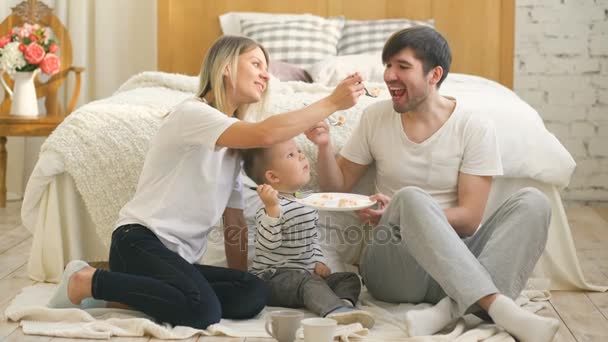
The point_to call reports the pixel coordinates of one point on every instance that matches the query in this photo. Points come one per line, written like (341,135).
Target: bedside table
(17,126)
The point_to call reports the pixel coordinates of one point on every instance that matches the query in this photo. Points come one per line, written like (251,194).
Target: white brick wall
(561,69)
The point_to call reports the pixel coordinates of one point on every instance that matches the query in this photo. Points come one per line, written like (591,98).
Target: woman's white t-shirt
(465,143)
(186,182)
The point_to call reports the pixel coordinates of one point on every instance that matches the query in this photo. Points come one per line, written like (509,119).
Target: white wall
(112,39)
(561,69)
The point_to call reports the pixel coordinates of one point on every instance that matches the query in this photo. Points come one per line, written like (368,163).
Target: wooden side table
(25,127)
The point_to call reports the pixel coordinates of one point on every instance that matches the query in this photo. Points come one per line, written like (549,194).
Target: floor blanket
(106,323)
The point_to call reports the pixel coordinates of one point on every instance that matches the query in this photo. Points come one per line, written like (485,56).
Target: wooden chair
(37,12)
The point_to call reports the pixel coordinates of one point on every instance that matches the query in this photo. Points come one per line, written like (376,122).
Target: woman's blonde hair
(224,53)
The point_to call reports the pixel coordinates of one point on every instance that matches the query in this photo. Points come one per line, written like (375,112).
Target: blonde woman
(190,180)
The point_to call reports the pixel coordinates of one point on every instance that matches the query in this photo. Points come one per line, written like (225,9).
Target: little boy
(288,255)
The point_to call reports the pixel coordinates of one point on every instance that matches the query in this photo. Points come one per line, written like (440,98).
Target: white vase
(23,94)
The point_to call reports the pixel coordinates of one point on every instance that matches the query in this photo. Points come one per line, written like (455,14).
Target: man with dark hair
(436,159)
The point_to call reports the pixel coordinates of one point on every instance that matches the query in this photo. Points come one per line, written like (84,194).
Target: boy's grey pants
(296,289)
(416,256)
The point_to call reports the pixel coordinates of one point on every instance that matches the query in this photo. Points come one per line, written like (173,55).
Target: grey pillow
(289,72)
(302,41)
(369,36)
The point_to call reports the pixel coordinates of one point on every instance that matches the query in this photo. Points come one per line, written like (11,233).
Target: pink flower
(23,32)
(34,53)
(50,64)
(53,48)
(45,36)
(4,40)
(22,47)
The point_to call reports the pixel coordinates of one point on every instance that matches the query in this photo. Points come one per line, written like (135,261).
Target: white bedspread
(102,144)
(36,319)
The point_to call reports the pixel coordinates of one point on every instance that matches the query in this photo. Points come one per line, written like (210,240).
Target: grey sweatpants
(416,256)
(296,289)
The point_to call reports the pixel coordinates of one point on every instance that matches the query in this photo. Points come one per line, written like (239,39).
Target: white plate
(336,201)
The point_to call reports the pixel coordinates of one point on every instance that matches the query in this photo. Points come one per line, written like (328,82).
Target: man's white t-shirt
(186,182)
(465,143)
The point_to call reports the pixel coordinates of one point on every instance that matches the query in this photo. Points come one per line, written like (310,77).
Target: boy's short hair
(255,163)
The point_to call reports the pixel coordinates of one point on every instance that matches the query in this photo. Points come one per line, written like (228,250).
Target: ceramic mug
(283,324)
(319,329)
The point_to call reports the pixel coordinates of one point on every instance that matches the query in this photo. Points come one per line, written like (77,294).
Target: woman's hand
(372,216)
(322,270)
(270,198)
(319,134)
(347,92)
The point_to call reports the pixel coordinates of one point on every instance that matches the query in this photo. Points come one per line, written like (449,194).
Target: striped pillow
(369,36)
(301,41)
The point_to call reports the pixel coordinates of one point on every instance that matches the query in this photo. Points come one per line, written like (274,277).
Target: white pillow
(300,41)
(231,22)
(527,148)
(332,70)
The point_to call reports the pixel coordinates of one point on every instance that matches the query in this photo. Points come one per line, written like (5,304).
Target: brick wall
(561,69)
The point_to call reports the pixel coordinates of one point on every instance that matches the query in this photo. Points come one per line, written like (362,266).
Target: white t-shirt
(186,182)
(465,143)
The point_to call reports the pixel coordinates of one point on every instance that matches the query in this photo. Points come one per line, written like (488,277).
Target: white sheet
(36,319)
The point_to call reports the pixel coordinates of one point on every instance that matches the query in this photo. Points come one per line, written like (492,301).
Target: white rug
(36,319)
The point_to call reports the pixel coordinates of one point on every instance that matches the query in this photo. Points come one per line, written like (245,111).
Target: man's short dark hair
(428,45)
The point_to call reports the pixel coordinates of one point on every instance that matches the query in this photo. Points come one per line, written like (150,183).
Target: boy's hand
(270,198)
(322,270)
(319,134)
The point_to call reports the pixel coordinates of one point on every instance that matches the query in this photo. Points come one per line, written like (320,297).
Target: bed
(89,166)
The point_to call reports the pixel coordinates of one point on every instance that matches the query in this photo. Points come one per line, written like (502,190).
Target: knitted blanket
(103,143)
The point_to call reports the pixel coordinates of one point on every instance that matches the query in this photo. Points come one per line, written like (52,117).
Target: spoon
(367,92)
(290,195)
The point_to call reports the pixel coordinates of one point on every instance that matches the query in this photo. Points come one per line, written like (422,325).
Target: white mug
(319,329)
(283,324)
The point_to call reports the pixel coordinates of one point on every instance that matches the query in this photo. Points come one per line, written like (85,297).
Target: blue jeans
(148,277)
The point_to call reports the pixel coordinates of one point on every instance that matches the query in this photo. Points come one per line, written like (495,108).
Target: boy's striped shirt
(289,241)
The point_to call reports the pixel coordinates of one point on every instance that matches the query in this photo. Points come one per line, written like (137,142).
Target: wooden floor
(584,316)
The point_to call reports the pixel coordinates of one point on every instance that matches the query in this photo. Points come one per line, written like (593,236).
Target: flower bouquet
(28,48)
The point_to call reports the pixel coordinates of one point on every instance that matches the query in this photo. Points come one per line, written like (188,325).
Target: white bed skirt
(55,214)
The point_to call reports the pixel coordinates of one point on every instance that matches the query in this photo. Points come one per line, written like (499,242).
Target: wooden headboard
(480,32)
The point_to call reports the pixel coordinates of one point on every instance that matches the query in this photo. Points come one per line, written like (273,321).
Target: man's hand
(270,198)
(319,134)
(322,270)
(372,216)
